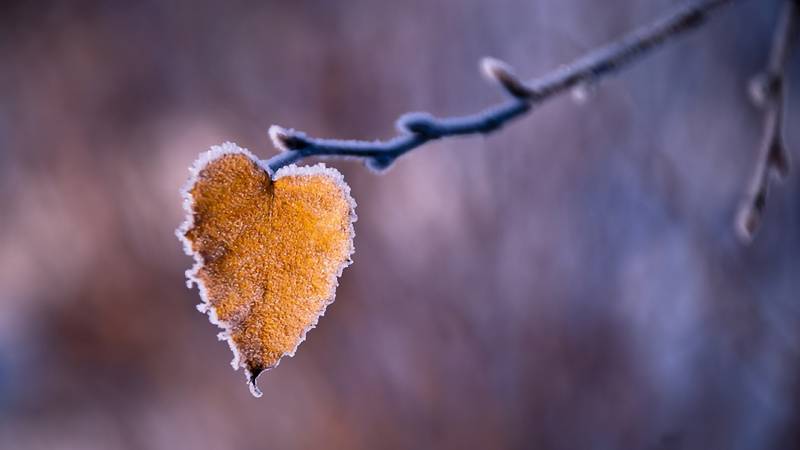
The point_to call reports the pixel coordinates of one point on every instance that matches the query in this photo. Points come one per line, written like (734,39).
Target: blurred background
(570,282)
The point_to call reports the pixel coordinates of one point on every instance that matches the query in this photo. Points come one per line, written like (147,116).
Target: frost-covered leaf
(268,250)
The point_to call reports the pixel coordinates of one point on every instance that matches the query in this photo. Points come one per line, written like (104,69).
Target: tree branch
(418,128)
(768,91)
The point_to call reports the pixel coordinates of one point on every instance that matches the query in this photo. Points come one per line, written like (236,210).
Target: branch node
(379,163)
(418,123)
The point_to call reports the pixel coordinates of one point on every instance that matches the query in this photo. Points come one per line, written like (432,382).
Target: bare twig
(418,128)
(768,92)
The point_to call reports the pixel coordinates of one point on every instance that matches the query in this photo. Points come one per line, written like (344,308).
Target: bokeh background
(570,282)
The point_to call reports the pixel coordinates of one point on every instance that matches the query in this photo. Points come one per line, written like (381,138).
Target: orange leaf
(268,251)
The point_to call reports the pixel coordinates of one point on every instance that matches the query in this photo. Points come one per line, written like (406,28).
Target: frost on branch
(268,250)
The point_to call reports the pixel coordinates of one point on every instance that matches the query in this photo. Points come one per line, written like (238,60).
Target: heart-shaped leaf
(268,250)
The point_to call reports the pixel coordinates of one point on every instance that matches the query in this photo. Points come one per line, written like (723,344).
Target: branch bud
(747,223)
(584,91)
(501,73)
(779,158)
(286,139)
(763,88)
